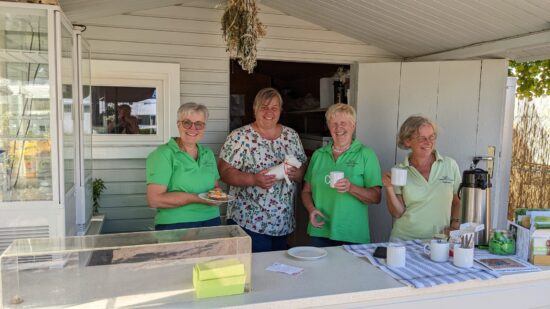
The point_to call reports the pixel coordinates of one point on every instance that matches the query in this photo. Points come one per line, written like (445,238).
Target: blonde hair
(410,127)
(192,107)
(265,95)
(342,109)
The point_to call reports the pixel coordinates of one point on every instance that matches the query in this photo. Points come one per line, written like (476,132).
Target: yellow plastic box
(219,278)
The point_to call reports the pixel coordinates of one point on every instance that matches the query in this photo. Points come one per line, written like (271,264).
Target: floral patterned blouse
(271,211)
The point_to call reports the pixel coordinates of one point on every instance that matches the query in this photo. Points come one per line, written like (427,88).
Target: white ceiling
(413,29)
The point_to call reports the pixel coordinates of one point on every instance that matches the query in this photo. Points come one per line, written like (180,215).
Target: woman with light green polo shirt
(339,214)
(429,199)
(181,169)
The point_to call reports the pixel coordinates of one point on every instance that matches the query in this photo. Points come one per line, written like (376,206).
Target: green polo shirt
(346,217)
(179,172)
(427,202)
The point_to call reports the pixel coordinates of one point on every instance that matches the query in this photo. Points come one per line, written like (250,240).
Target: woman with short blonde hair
(178,171)
(265,96)
(263,205)
(338,211)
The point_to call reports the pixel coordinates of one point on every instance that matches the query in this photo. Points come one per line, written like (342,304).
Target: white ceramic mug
(398,176)
(438,250)
(333,177)
(463,257)
(396,255)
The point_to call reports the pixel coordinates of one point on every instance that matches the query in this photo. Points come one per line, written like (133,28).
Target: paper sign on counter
(286,269)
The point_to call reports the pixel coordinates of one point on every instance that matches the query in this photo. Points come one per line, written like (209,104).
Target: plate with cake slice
(217,196)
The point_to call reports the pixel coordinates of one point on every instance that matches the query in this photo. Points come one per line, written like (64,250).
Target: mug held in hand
(398,176)
(280,170)
(333,177)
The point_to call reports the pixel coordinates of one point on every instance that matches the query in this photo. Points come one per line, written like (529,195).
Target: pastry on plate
(217,194)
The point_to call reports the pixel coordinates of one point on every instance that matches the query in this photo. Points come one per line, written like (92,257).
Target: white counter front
(344,281)
(338,280)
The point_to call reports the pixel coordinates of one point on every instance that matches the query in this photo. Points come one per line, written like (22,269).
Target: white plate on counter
(307,253)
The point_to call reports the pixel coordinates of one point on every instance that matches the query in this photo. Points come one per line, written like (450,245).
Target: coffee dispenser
(475,199)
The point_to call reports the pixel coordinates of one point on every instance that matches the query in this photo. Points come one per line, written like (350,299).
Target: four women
(263,206)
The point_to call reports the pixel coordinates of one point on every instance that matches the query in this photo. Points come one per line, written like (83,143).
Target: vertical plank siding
(191,36)
(465,98)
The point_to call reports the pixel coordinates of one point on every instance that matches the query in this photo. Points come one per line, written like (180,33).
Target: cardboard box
(219,278)
(540,260)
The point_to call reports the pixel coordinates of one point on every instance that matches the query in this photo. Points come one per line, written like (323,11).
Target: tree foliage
(533,78)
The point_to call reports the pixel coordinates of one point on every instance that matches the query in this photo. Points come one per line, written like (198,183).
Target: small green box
(219,278)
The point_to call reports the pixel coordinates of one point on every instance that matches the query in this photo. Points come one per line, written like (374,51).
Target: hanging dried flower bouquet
(241,31)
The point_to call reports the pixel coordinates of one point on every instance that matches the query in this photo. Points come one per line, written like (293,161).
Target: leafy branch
(533,78)
(98,186)
(241,31)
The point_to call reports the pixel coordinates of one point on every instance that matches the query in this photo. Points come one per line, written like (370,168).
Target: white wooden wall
(465,98)
(191,36)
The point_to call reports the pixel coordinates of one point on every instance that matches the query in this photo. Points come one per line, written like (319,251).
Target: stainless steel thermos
(475,196)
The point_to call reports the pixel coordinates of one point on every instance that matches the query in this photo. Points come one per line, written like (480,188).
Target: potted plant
(98,186)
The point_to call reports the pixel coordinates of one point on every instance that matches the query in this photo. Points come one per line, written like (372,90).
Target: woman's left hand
(343,185)
(293,173)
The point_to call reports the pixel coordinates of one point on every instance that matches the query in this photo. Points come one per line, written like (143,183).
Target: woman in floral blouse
(264,206)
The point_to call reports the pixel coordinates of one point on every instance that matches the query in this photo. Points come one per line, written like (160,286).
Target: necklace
(340,150)
(190,151)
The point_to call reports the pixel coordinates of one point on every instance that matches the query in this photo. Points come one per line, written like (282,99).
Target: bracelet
(453,220)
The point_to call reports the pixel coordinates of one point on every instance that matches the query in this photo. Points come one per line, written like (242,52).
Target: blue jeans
(186,225)
(327,242)
(262,242)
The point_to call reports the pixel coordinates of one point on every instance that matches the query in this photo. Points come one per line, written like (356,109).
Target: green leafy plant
(533,78)
(98,186)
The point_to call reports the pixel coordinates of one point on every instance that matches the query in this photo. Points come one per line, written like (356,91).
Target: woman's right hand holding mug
(264,181)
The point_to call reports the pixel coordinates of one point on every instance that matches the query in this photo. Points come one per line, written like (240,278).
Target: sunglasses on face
(187,124)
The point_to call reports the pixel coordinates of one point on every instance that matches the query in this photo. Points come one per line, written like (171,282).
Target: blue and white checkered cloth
(420,271)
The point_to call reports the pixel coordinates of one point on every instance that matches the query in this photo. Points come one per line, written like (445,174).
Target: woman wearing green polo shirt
(339,215)
(429,199)
(179,170)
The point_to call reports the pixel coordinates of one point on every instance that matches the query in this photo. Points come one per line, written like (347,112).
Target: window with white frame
(130,101)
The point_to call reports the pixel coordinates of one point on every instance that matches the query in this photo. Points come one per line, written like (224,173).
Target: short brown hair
(410,127)
(265,95)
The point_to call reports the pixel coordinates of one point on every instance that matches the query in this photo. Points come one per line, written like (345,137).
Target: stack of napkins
(219,278)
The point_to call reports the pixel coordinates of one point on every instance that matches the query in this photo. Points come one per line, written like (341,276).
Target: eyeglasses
(187,124)
(424,139)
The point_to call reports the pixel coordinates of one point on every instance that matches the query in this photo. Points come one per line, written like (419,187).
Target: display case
(117,270)
(39,128)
